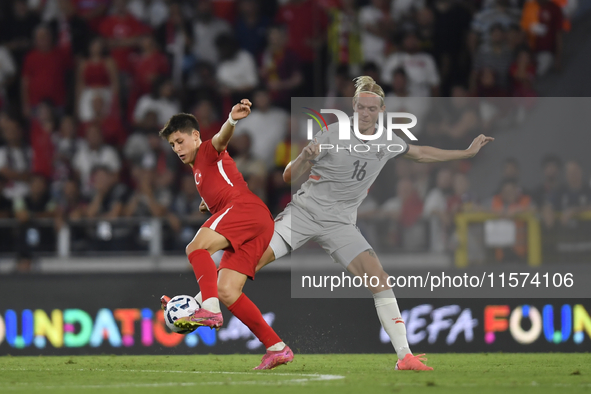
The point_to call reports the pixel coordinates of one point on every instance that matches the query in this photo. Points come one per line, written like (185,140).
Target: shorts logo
(198,177)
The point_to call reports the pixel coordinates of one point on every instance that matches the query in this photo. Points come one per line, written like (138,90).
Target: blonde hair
(366,84)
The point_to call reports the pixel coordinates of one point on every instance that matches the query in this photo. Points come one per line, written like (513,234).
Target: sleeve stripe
(221,169)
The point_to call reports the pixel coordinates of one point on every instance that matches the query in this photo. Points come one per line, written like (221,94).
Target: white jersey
(341,176)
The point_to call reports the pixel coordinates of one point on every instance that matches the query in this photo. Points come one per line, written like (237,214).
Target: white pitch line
(315,376)
(299,378)
(147,385)
(310,375)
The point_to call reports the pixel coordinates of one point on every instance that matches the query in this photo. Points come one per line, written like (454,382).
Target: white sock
(277,347)
(391,319)
(212,304)
(199,299)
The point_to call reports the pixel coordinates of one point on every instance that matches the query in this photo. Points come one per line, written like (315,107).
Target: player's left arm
(222,138)
(428,154)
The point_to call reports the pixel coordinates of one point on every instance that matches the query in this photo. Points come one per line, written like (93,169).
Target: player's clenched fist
(311,151)
(203,207)
(241,110)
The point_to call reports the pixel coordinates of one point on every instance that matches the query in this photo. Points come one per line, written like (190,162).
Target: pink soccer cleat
(201,317)
(273,359)
(412,363)
(164,300)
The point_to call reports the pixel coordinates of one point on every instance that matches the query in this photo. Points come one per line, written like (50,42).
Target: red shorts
(249,229)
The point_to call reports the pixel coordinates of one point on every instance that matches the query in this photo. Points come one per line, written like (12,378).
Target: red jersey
(96,75)
(42,145)
(550,16)
(218,181)
(146,68)
(122,27)
(305,21)
(45,71)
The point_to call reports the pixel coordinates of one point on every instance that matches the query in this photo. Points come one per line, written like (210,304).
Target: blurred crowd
(86,84)
(420,215)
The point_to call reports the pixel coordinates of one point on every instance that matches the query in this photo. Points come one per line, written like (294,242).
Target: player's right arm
(222,138)
(302,164)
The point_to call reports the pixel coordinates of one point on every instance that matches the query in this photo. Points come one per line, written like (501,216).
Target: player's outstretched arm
(428,154)
(302,163)
(222,138)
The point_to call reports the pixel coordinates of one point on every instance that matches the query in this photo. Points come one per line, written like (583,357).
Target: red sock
(205,273)
(248,313)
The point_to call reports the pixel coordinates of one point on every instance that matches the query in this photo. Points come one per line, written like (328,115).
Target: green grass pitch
(342,373)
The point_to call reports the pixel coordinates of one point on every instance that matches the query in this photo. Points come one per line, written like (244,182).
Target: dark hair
(39,175)
(369,67)
(74,180)
(342,70)
(104,50)
(400,36)
(511,182)
(185,123)
(101,167)
(227,46)
(157,84)
(399,71)
(511,160)
(514,26)
(551,159)
(278,26)
(497,26)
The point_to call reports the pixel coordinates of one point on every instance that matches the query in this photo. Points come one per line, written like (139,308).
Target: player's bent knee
(267,258)
(190,249)
(208,240)
(227,293)
(196,245)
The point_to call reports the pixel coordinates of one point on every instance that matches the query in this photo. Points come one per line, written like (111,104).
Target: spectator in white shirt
(7,70)
(206,29)
(376,25)
(161,101)
(153,12)
(15,159)
(237,70)
(266,125)
(94,153)
(420,68)
(405,9)
(398,100)
(435,210)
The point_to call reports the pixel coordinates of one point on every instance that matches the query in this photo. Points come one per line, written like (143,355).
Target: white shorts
(294,227)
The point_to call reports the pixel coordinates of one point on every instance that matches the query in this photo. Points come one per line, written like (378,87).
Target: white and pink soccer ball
(179,306)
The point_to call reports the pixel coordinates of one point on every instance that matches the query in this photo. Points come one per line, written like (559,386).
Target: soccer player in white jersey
(325,207)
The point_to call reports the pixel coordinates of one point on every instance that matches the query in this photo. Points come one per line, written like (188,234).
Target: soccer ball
(179,306)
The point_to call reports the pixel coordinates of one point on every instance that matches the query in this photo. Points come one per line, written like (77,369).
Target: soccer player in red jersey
(241,225)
